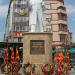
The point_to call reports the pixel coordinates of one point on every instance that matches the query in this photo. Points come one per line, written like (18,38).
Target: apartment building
(56,22)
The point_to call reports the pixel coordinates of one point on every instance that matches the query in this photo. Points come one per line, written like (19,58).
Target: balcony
(62,18)
(63,32)
(61,9)
(21,19)
(62,22)
(63,28)
(63,39)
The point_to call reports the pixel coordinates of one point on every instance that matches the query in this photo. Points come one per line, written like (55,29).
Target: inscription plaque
(37,47)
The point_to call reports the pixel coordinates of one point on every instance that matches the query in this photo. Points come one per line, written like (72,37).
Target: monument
(37,43)
(35,15)
(37,52)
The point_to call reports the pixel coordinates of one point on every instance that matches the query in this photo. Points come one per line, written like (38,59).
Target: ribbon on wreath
(44,69)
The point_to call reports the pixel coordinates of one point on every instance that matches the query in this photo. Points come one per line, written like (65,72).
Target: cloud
(3,10)
(70,9)
(71,13)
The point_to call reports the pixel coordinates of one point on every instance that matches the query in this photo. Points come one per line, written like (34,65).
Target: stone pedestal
(36,48)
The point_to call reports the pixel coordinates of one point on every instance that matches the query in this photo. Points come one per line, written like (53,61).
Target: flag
(12,56)
(6,58)
(57,57)
(17,58)
(67,56)
(61,57)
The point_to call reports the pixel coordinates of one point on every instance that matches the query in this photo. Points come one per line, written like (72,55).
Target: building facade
(17,20)
(52,18)
(56,22)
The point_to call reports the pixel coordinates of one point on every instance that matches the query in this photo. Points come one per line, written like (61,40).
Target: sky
(70,4)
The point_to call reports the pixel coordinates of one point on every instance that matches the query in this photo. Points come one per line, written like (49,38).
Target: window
(21,19)
(19,1)
(21,27)
(48,30)
(15,39)
(62,37)
(62,16)
(61,7)
(48,19)
(19,39)
(17,28)
(48,7)
(62,27)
